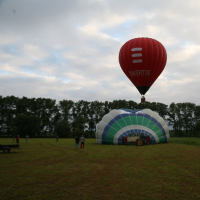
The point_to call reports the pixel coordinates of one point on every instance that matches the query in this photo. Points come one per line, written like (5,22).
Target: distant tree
(144,105)
(78,126)
(196,114)
(196,129)
(96,113)
(132,105)
(162,110)
(85,115)
(65,108)
(172,117)
(39,115)
(46,110)
(7,113)
(27,124)
(80,115)
(63,129)
(107,107)
(187,115)
(116,104)
(56,117)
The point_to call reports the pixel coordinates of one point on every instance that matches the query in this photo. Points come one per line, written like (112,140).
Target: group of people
(82,140)
(17,138)
(77,140)
(124,140)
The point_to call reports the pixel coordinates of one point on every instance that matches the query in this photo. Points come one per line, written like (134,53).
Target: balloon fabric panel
(127,124)
(142,60)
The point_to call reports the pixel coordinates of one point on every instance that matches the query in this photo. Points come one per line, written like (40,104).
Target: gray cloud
(69,49)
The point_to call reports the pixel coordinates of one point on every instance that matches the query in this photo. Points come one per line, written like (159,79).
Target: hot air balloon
(132,124)
(142,60)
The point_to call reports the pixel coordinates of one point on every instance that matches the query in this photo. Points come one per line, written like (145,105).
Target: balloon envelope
(142,60)
(127,122)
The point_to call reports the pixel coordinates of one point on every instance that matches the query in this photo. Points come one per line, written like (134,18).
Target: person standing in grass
(82,139)
(27,136)
(76,142)
(56,138)
(123,140)
(126,140)
(148,140)
(17,139)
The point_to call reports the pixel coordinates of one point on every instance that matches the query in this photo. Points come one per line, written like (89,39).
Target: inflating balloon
(142,60)
(131,123)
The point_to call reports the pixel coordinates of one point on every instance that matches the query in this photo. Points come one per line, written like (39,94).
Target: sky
(69,50)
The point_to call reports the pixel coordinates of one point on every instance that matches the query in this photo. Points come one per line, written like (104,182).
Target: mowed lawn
(46,169)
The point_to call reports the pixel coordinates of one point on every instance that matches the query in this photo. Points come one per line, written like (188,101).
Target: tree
(162,110)
(187,114)
(80,114)
(63,129)
(7,113)
(196,114)
(144,105)
(107,107)
(172,117)
(46,110)
(23,106)
(196,129)
(116,104)
(132,105)
(27,124)
(83,116)
(65,108)
(96,113)
(78,126)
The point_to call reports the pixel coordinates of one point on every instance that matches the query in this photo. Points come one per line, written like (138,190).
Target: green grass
(186,140)
(46,169)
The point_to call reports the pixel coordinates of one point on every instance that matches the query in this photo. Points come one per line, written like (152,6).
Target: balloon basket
(142,99)
(139,142)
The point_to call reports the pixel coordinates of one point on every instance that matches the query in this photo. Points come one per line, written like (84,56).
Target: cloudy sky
(68,49)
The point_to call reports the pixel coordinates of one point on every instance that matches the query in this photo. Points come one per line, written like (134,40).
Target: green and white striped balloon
(126,122)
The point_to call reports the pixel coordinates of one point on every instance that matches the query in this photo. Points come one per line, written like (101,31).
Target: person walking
(27,136)
(123,140)
(148,140)
(82,139)
(126,142)
(76,142)
(17,139)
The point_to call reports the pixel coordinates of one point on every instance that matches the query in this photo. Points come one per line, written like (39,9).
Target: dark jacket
(77,140)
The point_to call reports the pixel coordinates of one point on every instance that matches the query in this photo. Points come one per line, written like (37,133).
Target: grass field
(46,169)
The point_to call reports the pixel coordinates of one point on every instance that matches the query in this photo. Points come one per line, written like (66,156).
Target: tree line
(43,117)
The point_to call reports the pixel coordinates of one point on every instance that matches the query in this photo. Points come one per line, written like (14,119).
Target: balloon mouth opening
(143,89)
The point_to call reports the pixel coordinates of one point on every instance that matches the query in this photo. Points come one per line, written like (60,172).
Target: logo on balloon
(140,73)
(135,55)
